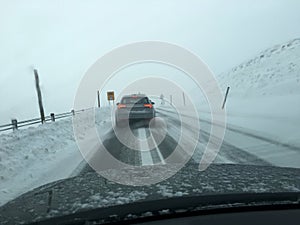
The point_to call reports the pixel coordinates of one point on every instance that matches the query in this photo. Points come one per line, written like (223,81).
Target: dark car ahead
(134,107)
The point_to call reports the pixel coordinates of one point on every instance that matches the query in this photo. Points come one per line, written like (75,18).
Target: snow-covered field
(263,101)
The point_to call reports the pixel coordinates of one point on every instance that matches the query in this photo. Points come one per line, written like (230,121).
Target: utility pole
(39,94)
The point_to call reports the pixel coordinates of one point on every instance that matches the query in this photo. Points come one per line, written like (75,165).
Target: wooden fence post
(98,94)
(39,94)
(52,115)
(225,98)
(14,124)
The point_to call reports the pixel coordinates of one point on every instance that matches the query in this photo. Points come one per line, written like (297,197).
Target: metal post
(39,94)
(171,100)
(14,124)
(52,117)
(183,98)
(225,98)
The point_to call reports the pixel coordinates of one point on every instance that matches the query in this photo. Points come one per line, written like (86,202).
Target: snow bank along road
(240,146)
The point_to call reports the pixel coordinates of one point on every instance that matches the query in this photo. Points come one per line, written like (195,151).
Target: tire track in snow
(239,131)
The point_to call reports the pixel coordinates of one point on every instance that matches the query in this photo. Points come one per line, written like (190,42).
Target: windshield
(217,85)
(134,100)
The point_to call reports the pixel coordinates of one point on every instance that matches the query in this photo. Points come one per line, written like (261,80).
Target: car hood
(91,191)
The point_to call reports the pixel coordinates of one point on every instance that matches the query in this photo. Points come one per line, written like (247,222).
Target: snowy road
(239,146)
(140,157)
(31,160)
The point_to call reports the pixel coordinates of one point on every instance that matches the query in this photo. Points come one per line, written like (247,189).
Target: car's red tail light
(148,105)
(120,106)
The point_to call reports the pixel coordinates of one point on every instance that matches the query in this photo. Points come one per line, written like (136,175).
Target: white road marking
(145,155)
(161,158)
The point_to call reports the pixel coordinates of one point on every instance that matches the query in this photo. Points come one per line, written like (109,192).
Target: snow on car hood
(90,190)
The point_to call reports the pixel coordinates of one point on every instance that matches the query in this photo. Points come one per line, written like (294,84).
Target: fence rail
(14,125)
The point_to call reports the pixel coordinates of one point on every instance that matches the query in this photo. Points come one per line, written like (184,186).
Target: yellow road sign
(110,96)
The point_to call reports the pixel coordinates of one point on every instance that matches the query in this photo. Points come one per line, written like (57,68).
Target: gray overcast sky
(62,38)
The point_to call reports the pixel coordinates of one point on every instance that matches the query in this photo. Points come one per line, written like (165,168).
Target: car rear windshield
(135,100)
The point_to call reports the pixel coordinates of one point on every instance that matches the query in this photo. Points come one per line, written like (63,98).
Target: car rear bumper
(135,115)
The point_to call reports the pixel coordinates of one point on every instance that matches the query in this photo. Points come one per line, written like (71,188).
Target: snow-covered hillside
(275,71)
(265,91)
